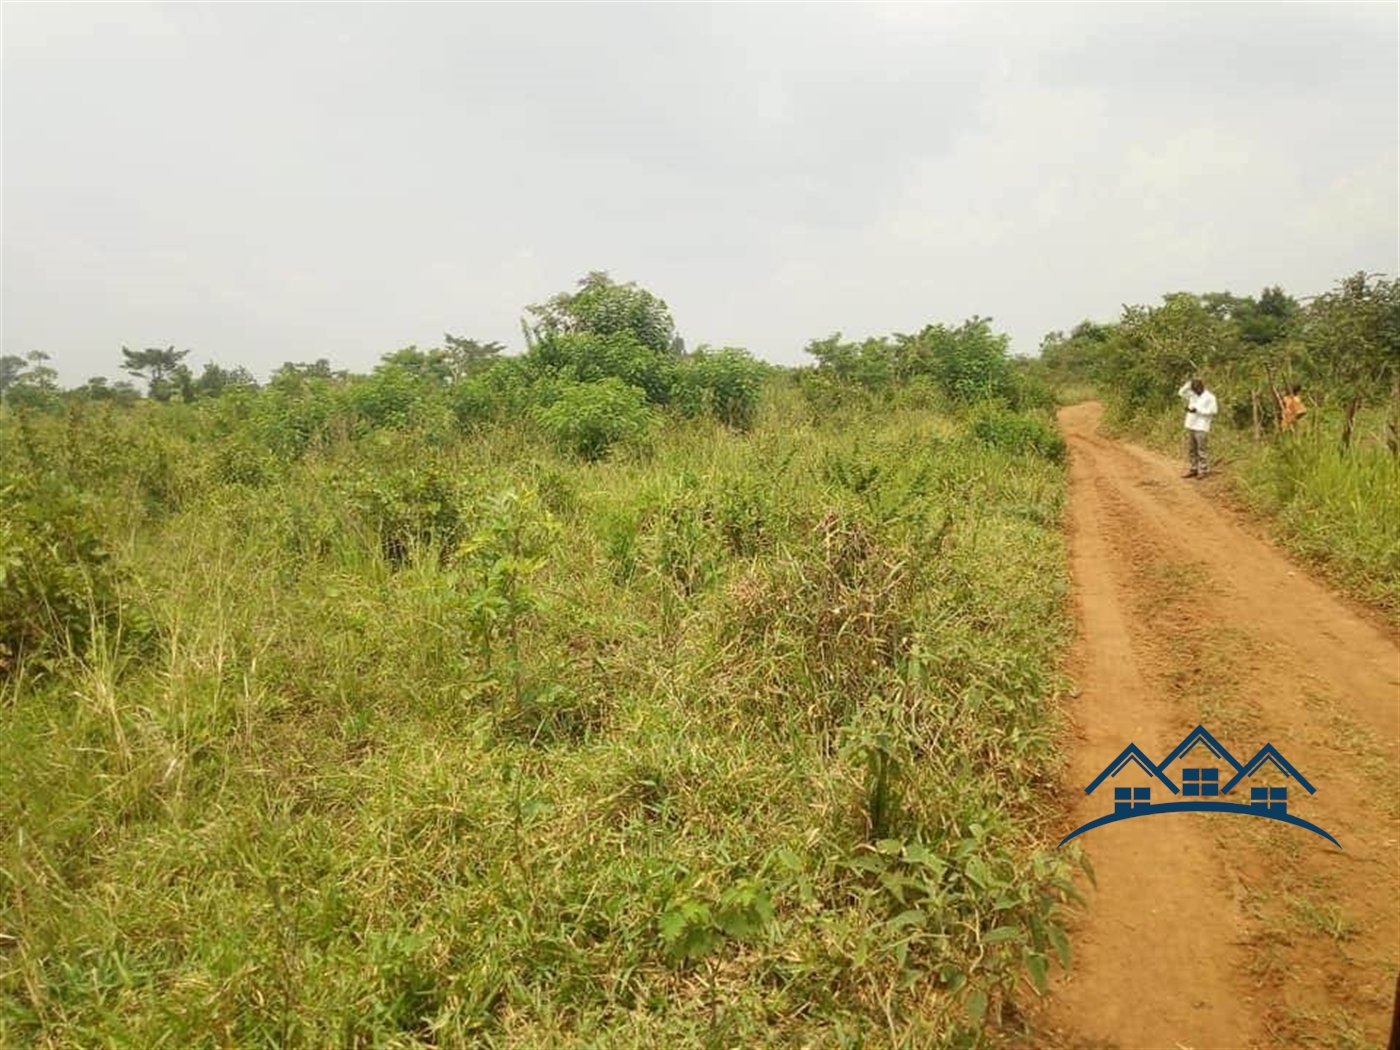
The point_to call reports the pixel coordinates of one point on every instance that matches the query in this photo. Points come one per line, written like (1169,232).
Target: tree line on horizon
(1343,346)
(601,361)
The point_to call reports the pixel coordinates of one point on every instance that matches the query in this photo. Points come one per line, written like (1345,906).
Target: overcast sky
(272,182)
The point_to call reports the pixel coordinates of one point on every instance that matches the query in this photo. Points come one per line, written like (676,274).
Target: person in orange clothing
(1292,406)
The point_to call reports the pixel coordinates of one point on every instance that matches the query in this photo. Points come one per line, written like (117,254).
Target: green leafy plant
(57,577)
(1011,916)
(496,567)
(602,307)
(723,383)
(589,419)
(1018,434)
(588,357)
(695,929)
(408,508)
(885,757)
(390,396)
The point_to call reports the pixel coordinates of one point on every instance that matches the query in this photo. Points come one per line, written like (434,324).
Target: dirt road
(1218,930)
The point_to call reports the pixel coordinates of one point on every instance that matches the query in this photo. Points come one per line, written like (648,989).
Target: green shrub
(588,419)
(969,362)
(241,461)
(503,390)
(602,307)
(294,412)
(919,392)
(585,357)
(408,508)
(830,397)
(57,579)
(1019,434)
(1033,389)
(496,566)
(387,398)
(723,383)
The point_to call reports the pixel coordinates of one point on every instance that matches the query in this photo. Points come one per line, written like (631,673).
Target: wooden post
(1278,397)
(1254,398)
(1393,438)
(1349,419)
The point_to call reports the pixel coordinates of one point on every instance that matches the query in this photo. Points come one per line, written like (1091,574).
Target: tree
(291,371)
(213,381)
(1076,358)
(11,368)
(1258,322)
(603,307)
(1274,311)
(969,362)
(155,365)
(587,357)
(467,357)
(724,383)
(182,379)
(868,363)
(99,388)
(28,381)
(1353,338)
(1154,349)
(432,366)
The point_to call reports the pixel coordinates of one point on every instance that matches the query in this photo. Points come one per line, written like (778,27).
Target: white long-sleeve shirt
(1200,408)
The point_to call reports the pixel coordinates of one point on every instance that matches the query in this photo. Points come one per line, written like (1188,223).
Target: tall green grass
(448,739)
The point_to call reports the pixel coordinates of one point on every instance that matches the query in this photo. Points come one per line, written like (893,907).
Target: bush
(241,461)
(387,398)
(723,383)
(503,390)
(588,419)
(1033,389)
(1020,434)
(294,412)
(602,307)
(586,357)
(969,362)
(408,508)
(56,577)
(828,395)
(1326,499)
(918,393)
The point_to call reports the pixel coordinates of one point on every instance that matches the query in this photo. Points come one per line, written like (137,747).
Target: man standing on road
(1200,410)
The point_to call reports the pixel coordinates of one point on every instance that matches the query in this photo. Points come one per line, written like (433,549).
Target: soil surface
(1222,930)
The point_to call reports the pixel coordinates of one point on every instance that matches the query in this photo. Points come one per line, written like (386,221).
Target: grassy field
(432,737)
(1335,508)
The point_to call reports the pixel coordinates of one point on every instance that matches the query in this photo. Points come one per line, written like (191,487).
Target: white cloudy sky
(271,182)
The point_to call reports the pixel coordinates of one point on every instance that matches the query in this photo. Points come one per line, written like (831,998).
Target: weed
(450,736)
(1327,919)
